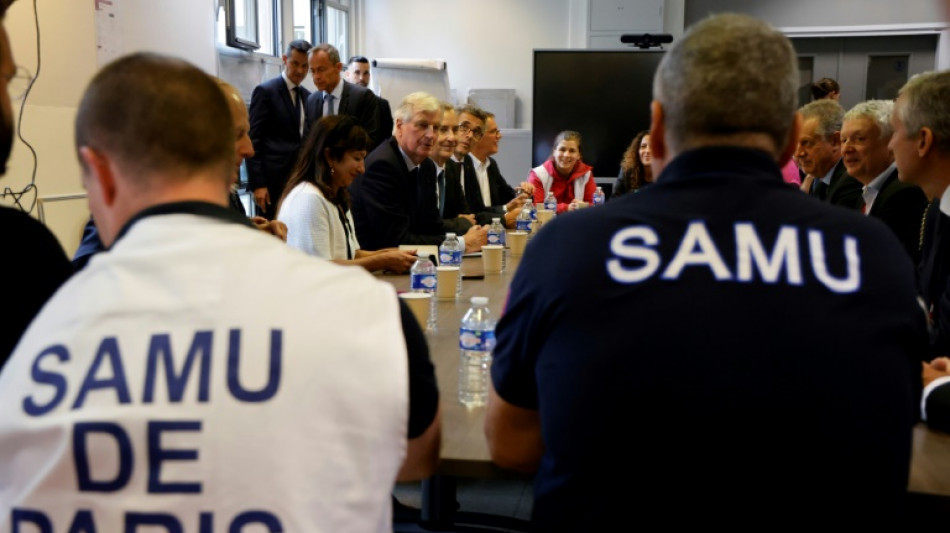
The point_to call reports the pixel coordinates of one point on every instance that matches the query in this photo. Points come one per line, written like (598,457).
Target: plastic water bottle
(496,232)
(550,202)
(476,341)
(496,235)
(598,198)
(529,207)
(422,278)
(523,222)
(450,254)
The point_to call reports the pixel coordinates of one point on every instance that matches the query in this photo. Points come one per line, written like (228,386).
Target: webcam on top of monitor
(646,40)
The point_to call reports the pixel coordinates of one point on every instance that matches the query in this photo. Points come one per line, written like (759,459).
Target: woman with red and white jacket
(570,179)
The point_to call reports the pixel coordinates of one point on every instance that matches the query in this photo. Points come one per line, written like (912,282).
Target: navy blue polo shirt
(719,342)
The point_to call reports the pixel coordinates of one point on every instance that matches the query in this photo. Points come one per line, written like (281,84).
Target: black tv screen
(603,94)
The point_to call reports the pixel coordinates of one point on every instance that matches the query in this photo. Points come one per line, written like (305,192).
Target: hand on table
(475,238)
(511,216)
(515,203)
(274,227)
(397,261)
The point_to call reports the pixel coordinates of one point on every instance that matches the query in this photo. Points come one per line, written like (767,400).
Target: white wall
(487,44)
(69,60)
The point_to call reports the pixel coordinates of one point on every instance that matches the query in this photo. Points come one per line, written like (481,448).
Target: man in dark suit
(865,132)
(336,96)
(277,125)
(394,202)
(819,156)
(357,72)
(486,191)
(921,148)
(456,216)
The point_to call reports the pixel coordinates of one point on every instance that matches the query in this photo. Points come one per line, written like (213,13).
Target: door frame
(941,29)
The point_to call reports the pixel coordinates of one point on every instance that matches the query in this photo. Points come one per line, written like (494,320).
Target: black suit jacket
(501,192)
(843,190)
(933,273)
(455,203)
(392,207)
(384,121)
(901,207)
(275,132)
(356,101)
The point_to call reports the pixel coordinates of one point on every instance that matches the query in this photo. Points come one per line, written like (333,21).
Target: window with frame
(249,25)
(261,26)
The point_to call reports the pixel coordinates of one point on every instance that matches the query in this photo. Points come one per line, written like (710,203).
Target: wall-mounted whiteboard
(396,78)
(65,215)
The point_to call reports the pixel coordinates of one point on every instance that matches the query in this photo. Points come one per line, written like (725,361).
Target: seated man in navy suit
(486,190)
(394,202)
(456,216)
(819,155)
(357,72)
(336,96)
(277,126)
(865,132)
(921,148)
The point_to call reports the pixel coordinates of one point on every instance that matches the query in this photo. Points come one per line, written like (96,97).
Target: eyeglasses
(19,83)
(445,129)
(465,128)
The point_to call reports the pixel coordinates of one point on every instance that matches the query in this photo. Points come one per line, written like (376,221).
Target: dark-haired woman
(315,204)
(635,169)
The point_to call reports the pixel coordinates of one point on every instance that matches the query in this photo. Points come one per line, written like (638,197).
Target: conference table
(465,451)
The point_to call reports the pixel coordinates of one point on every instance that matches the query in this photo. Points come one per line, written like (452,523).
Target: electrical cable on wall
(31,187)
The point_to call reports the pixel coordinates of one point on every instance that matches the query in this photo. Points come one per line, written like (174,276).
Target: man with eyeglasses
(456,216)
(472,125)
(487,192)
(394,201)
(37,265)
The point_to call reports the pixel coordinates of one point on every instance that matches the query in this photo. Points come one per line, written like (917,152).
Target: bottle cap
(496,219)
(479,301)
(449,235)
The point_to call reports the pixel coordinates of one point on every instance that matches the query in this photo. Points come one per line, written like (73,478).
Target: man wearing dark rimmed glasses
(38,265)
(478,178)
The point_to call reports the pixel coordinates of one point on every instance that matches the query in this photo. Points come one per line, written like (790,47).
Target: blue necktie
(441,192)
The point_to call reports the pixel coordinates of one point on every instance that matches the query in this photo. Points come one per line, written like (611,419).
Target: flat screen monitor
(603,94)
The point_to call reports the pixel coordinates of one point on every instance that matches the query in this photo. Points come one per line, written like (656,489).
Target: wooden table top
(464,449)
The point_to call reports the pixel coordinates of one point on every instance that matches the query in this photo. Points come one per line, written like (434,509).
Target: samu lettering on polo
(197,366)
(106,375)
(636,258)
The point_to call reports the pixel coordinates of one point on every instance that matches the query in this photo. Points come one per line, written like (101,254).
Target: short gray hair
(829,113)
(414,103)
(878,111)
(473,110)
(729,74)
(924,101)
(332,53)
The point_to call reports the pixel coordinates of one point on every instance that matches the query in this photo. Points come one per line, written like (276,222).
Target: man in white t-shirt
(161,386)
